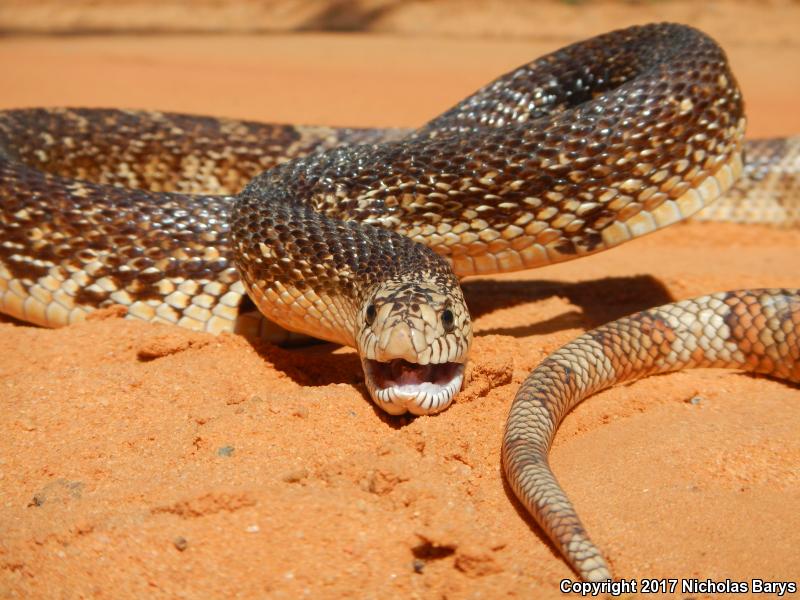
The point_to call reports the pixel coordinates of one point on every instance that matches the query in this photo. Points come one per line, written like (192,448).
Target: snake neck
(396,301)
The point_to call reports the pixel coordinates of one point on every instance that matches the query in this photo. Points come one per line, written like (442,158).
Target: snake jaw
(399,386)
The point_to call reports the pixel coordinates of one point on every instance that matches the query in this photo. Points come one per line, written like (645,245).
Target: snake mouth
(399,386)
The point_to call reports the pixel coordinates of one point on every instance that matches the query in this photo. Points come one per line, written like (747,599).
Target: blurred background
(762,21)
(351,62)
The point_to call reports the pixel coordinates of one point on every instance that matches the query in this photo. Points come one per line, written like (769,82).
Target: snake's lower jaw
(399,386)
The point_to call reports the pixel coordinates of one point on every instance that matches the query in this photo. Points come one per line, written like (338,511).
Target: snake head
(414,341)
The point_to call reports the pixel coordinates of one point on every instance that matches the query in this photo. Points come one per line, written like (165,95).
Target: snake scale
(359,236)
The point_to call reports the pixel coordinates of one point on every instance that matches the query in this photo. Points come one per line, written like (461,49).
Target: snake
(360,236)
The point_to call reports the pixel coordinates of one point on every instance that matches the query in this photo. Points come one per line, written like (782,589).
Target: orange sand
(145,461)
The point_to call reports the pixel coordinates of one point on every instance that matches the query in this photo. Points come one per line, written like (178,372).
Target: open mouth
(399,386)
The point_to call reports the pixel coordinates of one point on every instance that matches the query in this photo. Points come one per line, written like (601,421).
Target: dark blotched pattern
(577,151)
(109,206)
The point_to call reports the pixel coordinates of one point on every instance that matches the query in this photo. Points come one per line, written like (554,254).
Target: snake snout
(401,341)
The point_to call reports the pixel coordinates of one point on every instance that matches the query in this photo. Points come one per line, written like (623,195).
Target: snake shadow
(529,520)
(319,364)
(599,301)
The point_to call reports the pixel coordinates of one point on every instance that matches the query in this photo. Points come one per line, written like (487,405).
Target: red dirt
(145,461)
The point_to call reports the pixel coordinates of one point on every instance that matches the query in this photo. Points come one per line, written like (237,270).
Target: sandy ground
(145,461)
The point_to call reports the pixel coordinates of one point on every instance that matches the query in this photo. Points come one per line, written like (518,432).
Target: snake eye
(372,312)
(448,320)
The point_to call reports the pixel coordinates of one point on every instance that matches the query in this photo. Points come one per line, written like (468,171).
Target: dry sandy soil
(227,469)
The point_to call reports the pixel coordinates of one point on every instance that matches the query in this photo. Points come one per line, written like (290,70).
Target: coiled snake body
(359,236)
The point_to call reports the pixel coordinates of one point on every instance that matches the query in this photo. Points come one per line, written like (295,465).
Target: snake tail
(754,330)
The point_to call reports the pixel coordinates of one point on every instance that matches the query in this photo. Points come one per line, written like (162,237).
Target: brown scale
(554,131)
(159,151)
(569,142)
(72,194)
(116,226)
(583,142)
(769,189)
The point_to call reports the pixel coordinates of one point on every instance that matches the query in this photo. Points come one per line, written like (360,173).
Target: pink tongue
(404,373)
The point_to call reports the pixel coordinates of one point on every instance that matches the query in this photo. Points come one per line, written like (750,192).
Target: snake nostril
(372,312)
(448,320)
